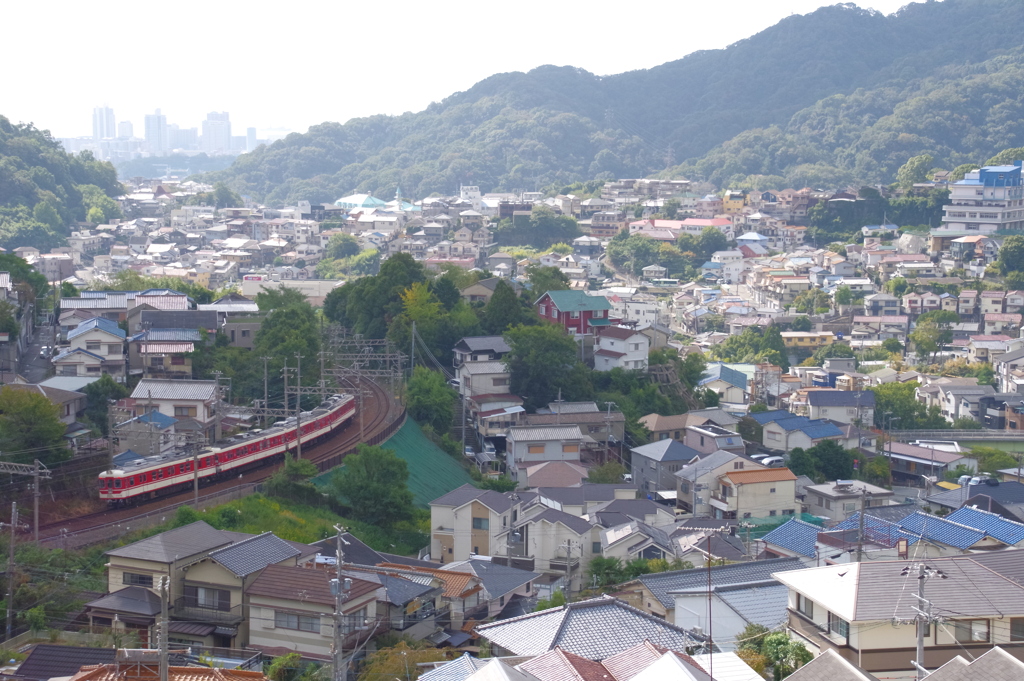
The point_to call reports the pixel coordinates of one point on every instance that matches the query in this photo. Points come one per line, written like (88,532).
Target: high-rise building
(986,201)
(103,123)
(217,133)
(250,139)
(156,132)
(125,130)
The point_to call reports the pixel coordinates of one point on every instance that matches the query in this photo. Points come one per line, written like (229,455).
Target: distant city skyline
(425,58)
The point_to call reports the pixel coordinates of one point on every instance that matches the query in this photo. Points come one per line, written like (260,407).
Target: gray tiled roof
(574,523)
(498,579)
(478,343)
(254,554)
(764,605)
(459,669)
(594,629)
(666,450)
(177,544)
(830,666)
(662,583)
(393,589)
(708,462)
(577,496)
(47,661)
(496,501)
(994,665)
(162,389)
(134,600)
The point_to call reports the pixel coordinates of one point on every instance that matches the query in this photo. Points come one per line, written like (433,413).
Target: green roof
(578,301)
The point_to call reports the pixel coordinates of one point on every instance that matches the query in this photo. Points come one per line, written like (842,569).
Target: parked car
(773,461)
(454,383)
(44,352)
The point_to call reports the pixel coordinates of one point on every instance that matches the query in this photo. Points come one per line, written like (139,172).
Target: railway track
(380,414)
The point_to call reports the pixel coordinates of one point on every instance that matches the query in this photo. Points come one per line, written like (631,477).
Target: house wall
(760,501)
(263,630)
(691,611)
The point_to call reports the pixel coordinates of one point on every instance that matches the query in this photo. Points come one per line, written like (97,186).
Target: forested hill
(813,83)
(43,189)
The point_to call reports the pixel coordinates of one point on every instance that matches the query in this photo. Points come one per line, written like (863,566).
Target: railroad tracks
(381,415)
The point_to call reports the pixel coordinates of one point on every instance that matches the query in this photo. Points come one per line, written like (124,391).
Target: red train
(149,477)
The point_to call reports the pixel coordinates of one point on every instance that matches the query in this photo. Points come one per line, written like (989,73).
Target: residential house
(837,500)
(655,465)
(195,401)
(291,609)
(1009,370)
(787,433)
(100,337)
(844,406)
(634,539)
(575,311)
(913,464)
(711,438)
(1001,323)
(673,426)
(528,445)
(856,610)
(810,340)
(730,384)
(619,347)
(698,475)
(881,304)
(605,427)
(558,544)
(466,522)
(502,583)
(481,291)
(754,494)
(79,362)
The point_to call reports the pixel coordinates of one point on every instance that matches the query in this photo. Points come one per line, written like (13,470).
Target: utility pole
(10,569)
(37,470)
(924,618)
(164,628)
(412,351)
(284,374)
(860,526)
(340,588)
(266,392)
(298,405)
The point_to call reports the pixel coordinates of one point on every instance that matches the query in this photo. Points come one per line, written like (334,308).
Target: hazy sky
(297,63)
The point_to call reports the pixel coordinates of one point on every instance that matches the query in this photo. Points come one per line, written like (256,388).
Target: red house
(575,311)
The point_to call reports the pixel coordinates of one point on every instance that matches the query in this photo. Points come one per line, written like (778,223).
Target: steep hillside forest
(840,95)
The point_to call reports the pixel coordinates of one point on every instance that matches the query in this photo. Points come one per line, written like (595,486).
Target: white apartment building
(985,201)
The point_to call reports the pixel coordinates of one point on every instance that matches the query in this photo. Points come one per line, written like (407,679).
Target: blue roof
(942,530)
(68,353)
(157,419)
(126,456)
(575,301)
(711,265)
(795,535)
(97,323)
(817,431)
(877,529)
(793,423)
(718,370)
(766,417)
(1006,531)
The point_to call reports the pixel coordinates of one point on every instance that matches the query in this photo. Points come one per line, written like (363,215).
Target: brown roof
(456,584)
(555,474)
(617,332)
(760,475)
(124,672)
(305,584)
(55,395)
(626,664)
(560,665)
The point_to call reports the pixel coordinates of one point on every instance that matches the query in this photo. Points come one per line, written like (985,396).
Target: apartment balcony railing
(191,608)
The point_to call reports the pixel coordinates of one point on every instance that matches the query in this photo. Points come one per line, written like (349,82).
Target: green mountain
(841,93)
(43,189)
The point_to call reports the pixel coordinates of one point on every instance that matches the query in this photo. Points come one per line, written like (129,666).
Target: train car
(153,476)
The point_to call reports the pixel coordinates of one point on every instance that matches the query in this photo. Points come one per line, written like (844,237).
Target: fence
(979,434)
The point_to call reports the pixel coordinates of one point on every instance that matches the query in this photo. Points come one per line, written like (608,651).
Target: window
(570,448)
(93,346)
(184,411)
(134,579)
(114,350)
(542,310)
(804,606)
(203,597)
(535,449)
(771,490)
(177,360)
(746,515)
(738,465)
(596,547)
(574,315)
(837,626)
(771,513)
(481,524)
(971,631)
(287,620)
(354,620)
(92,370)
(1017,628)
(788,511)
(156,361)
(499,381)
(245,333)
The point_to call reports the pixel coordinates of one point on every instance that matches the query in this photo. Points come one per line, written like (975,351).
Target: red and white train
(149,477)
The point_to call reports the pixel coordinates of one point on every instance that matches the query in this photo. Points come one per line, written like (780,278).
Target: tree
(927,338)
(100,394)
(785,654)
(892,345)
(802,463)
(710,241)
(543,279)
(898,400)
(752,637)
(604,571)
(342,246)
(503,311)
(542,360)
(875,470)
(68,290)
(897,286)
(844,296)
(1011,254)
(608,473)
(430,400)
(671,208)
(914,171)
(991,459)
(557,600)
(400,661)
(801,323)
(373,482)
(446,292)
(832,350)
(832,460)
(30,427)
(966,423)
(500,484)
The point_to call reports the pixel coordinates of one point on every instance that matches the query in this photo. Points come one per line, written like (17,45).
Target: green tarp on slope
(432,473)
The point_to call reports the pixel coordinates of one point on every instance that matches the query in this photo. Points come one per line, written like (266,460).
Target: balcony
(191,608)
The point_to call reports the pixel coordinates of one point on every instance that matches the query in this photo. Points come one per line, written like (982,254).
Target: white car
(773,461)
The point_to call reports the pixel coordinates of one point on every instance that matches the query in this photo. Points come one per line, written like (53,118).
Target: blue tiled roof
(1006,531)
(942,530)
(97,323)
(68,353)
(877,529)
(817,430)
(157,419)
(796,536)
(766,417)
(711,265)
(716,371)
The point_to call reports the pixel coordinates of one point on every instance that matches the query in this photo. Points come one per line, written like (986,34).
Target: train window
(131,481)
(117,483)
(160,474)
(103,483)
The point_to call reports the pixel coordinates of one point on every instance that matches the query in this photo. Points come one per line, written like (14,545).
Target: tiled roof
(576,301)
(133,600)
(942,530)
(794,535)
(116,672)
(160,389)
(459,669)
(456,584)
(1006,531)
(719,371)
(537,433)
(497,579)
(662,584)
(180,335)
(100,323)
(1011,492)
(666,450)
(841,398)
(761,604)
(594,629)
(551,515)
(254,554)
(830,666)
(302,584)
(478,343)
(766,417)
(994,665)
(460,496)
(75,351)
(46,661)
(559,665)
(176,544)
(746,477)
